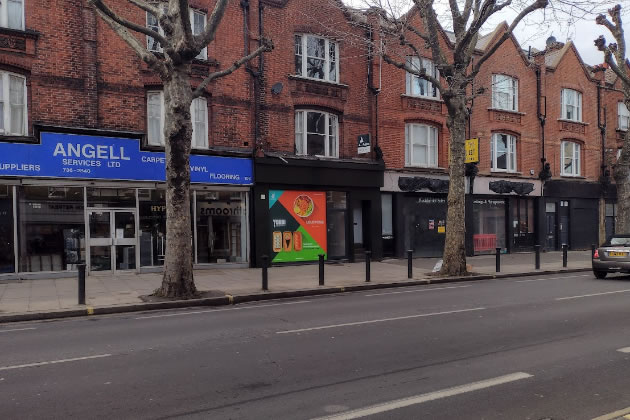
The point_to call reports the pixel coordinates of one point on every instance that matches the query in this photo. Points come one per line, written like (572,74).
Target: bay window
(571,105)
(421,145)
(316,134)
(570,157)
(316,58)
(417,86)
(624,116)
(155,120)
(503,152)
(504,92)
(13,111)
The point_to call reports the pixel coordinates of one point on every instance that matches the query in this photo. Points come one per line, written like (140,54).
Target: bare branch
(422,73)
(185,16)
(147,7)
(433,28)
(266,46)
(207,36)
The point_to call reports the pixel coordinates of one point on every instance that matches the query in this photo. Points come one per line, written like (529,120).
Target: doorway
(361,229)
(112,240)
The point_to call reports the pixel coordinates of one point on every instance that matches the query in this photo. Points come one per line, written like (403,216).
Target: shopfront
(101,201)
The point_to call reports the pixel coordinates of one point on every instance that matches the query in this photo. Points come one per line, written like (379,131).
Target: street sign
(472,151)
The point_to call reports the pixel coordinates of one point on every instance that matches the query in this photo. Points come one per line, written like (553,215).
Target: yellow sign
(441,229)
(472,151)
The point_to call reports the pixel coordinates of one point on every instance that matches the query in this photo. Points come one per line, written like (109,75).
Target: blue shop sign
(78,156)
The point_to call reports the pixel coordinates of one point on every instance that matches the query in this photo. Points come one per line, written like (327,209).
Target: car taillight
(596,253)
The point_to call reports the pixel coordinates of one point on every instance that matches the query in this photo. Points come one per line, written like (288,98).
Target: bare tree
(615,57)
(457,69)
(180,47)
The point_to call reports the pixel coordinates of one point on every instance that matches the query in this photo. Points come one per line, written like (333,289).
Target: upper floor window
(571,105)
(155,120)
(316,57)
(12,14)
(13,112)
(417,86)
(421,145)
(504,92)
(316,134)
(623,116)
(503,152)
(570,156)
(197,23)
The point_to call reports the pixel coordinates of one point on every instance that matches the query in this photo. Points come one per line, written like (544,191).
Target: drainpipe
(545,172)
(378,153)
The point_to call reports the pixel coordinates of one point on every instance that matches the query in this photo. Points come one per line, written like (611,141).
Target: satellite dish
(277,88)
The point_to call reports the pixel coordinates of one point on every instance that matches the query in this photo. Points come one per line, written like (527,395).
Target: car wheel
(600,274)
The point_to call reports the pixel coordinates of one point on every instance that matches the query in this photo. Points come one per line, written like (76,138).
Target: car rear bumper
(611,266)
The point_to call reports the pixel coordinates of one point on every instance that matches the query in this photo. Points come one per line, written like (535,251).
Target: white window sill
(312,79)
(506,110)
(408,166)
(318,156)
(571,176)
(505,171)
(572,121)
(428,98)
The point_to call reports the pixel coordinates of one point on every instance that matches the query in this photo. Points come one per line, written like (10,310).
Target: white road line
(594,294)
(624,350)
(422,398)
(416,291)
(553,278)
(374,321)
(17,329)
(224,309)
(53,362)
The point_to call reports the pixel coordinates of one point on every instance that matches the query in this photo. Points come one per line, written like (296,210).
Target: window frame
(432,144)
(410,79)
(203,55)
(4,15)
(512,91)
(303,114)
(564,105)
(576,160)
(161,142)
(621,116)
(511,153)
(303,54)
(5,99)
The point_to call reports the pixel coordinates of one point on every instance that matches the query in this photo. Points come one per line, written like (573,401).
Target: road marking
(615,415)
(624,350)
(223,310)
(52,362)
(422,398)
(552,278)
(418,290)
(18,329)
(374,321)
(594,294)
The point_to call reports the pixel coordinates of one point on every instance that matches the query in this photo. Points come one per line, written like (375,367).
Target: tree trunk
(454,256)
(178,265)
(622,179)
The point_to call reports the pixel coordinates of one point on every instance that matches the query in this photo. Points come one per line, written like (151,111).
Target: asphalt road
(524,348)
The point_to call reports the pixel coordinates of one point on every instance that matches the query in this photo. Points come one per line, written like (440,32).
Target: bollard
(564,255)
(321,269)
(368,255)
(409,264)
(81,268)
(537,249)
(498,260)
(265,274)
(593,247)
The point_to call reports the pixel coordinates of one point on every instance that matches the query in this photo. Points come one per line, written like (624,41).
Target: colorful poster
(298,225)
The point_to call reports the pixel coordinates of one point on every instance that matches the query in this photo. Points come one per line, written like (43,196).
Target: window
(503,152)
(316,134)
(316,58)
(155,120)
(12,104)
(570,158)
(504,92)
(624,116)
(197,23)
(421,145)
(12,14)
(152,23)
(571,105)
(416,86)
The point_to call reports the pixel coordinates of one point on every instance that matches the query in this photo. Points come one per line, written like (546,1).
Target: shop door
(523,224)
(551,226)
(563,227)
(112,240)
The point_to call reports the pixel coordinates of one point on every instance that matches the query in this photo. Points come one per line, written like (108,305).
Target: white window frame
(565,96)
(203,55)
(301,133)
(5,99)
(196,102)
(432,144)
(576,163)
(303,50)
(4,15)
(150,40)
(623,117)
(511,155)
(432,92)
(511,91)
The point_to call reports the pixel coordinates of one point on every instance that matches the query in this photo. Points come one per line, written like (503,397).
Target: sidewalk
(47,295)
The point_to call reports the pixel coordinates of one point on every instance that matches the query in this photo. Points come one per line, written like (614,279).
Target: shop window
(417,86)
(421,145)
(316,134)
(221,218)
(316,58)
(503,152)
(387,215)
(570,158)
(336,203)
(51,228)
(7,253)
(111,197)
(12,14)
(152,218)
(13,110)
(571,105)
(623,116)
(155,120)
(489,221)
(504,92)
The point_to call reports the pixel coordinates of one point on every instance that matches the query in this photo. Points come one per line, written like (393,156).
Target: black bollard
(81,268)
(593,247)
(368,255)
(537,249)
(265,274)
(498,260)
(409,264)
(321,269)
(564,255)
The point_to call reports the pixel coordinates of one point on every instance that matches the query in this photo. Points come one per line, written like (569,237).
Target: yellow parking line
(615,415)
